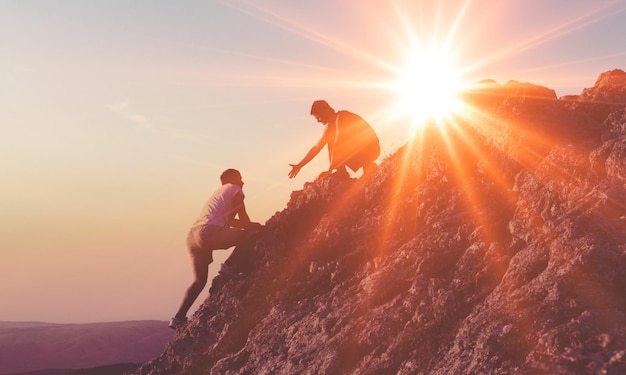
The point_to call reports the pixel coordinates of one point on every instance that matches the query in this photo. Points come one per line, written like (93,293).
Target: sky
(117,117)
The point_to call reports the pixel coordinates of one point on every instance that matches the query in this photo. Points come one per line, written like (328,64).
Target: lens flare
(427,87)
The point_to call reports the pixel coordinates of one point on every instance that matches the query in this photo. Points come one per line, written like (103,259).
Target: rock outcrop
(492,244)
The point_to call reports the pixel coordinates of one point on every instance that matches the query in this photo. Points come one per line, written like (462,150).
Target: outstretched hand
(295,168)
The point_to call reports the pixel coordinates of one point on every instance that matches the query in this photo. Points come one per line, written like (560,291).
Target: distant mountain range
(36,348)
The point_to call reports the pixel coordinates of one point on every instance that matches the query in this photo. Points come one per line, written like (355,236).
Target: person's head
(231,176)
(322,112)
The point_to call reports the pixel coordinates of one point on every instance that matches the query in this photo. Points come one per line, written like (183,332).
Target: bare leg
(223,238)
(201,243)
(201,260)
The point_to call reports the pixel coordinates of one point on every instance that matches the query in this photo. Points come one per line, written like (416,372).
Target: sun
(427,87)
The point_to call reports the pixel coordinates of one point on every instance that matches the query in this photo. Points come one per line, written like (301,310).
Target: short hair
(321,107)
(230,175)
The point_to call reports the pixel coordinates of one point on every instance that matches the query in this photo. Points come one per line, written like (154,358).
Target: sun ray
(399,78)
(569,26)
(330,77)
(272,17)
(460,17)
(560,65)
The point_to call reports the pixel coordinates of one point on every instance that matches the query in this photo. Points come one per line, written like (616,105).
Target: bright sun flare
(428,87)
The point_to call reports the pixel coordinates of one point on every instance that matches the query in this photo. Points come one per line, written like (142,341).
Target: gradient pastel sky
(117,118)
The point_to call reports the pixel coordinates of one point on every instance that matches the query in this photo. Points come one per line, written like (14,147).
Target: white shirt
(218,209)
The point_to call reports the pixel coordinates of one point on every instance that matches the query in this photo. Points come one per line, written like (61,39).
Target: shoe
(227,270)
(176,323)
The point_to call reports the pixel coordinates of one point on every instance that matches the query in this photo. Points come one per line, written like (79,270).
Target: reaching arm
(243,220)
(295,168)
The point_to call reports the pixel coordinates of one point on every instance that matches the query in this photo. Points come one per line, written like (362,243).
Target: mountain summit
(492,244)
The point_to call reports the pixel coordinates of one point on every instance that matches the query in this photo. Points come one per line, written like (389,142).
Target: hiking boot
(176,323)
(227,270)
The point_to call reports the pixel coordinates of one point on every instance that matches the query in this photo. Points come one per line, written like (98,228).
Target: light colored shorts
(203,239)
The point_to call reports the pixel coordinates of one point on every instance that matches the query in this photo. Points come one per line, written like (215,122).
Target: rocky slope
(493,244)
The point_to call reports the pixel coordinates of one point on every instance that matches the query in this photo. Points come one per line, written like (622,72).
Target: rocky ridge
(494,244)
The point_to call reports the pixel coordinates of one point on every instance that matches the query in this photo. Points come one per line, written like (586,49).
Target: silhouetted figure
(351,142)
(216,228)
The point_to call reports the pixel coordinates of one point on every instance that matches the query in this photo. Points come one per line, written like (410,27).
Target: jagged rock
(610,88)
(475,251)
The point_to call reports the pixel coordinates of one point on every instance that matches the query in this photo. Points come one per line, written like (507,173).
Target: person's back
(218,208)
(356,143)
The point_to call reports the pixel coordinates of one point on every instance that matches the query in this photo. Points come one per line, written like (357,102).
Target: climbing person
(351,142)
(216,228)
